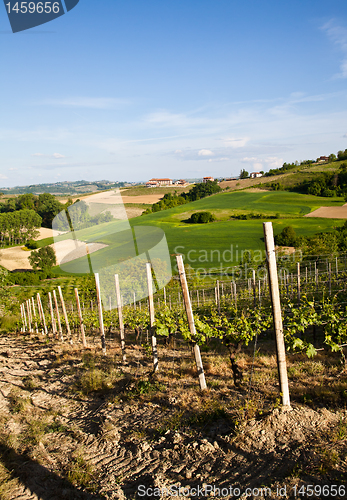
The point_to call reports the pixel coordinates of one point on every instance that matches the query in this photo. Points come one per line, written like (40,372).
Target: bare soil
(58,443)
(330,212)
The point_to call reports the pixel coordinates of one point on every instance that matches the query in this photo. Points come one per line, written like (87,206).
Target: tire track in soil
(111,437)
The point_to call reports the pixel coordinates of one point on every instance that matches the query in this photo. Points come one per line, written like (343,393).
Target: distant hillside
(66,188)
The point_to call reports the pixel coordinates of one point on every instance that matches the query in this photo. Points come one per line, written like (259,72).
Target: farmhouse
(207,179)
(181,183)
(159,182)
(256,174)
(322,159)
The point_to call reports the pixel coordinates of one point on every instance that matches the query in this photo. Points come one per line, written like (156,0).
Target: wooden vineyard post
(276,311)
(151,316)
(329,278)
(316,276)
(164,292)
(42,314)
(336,268)
(30,321)
(259,292)
(254,289)
(134,302)
(34,313)
(65,315)
(80,317)
(218,296)
(120,318)
(299,284)
(235,294)
(190,317)
(54,326)
(24,318)
(58,316)
(101,318)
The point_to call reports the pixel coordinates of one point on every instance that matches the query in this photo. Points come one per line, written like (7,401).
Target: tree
(244,174)
(287,238)
(44,259)
(202,218)
(48,207)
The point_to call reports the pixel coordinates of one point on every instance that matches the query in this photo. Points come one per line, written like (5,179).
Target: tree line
(19,227)
(45,205)
(198,191)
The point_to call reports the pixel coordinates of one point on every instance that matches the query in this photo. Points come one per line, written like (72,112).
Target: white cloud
(57,156)
(338,35)
(87,102)
(3,176)
(234,142)
(218,159)
(205,152)
(261,163)
(274,162)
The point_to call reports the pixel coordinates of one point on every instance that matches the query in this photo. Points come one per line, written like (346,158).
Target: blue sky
(129,90)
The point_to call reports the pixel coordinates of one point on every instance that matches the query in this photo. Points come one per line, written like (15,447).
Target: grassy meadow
(218,244)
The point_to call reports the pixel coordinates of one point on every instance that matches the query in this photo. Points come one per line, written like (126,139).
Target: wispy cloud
(205,152)
(57,156)
(338,35)
(263,163)
(2,176)
(236,142)
(86,102)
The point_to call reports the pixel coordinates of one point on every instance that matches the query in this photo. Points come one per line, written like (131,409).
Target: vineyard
(232,313)
(181,388)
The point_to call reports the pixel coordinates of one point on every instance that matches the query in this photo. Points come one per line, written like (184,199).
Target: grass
(225,235)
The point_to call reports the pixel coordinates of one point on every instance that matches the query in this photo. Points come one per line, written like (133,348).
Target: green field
(217,244)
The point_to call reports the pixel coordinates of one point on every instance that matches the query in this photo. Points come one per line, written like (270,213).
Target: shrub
(33,245)
(202,218)
(287,237)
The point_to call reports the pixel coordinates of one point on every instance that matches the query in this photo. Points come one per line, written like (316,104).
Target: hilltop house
(256,174)
(159,182)
(207,179)
(322,159)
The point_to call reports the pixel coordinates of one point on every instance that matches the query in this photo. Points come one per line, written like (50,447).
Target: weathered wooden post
(254,289)
(120,318)
(27,302)
(299,284)
(101,318)
(58,316)
(54,326)
(80,317)
(191,323)
(42,313)
(62,301)
(24,318)
(34,313)
(329,267)
(151,316)
(276,311)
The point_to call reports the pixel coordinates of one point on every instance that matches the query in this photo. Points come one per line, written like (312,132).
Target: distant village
(166,182)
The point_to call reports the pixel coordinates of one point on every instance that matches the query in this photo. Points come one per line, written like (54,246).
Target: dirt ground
(330,212)
(15,258)
(58,444)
